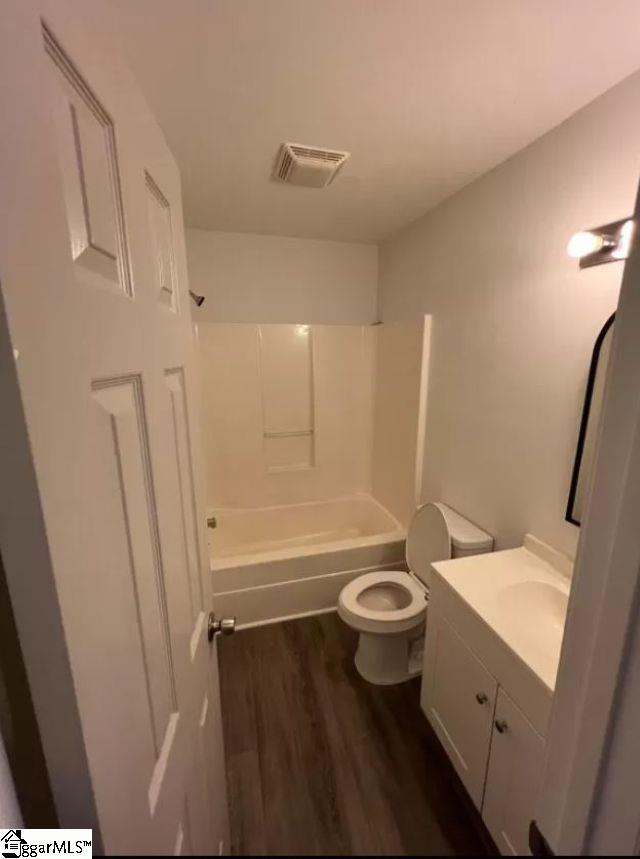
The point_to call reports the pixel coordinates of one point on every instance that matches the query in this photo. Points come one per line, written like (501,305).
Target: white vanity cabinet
(514,777)
(493,747)
(493,639)
(459,697)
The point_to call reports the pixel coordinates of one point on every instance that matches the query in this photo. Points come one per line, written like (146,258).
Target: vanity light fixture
(608,243)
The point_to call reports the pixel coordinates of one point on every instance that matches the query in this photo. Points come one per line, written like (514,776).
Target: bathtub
(274,563)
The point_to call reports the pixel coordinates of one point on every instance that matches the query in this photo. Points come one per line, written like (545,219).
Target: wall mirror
(589,423)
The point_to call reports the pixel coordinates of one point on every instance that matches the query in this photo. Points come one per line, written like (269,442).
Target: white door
(94,286)
(458,696)
(514,778)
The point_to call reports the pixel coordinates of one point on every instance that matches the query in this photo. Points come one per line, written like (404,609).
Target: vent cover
(308,165)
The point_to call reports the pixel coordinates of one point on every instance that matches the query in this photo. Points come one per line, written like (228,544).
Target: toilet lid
(428,540)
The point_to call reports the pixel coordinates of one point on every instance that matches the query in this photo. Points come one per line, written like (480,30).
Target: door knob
(224,625)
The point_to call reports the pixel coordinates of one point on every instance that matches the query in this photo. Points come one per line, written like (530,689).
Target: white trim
(422,409)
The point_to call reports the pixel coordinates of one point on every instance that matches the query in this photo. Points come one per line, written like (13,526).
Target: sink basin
(518,598)
(535,603)
(534,614)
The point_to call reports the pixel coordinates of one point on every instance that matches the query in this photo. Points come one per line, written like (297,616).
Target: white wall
(514,320)
(255,278)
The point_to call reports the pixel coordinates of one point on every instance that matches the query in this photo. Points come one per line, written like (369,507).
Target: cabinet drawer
(458,696)
(514,778)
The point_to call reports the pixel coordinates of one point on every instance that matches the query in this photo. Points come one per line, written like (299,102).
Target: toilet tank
(466,538)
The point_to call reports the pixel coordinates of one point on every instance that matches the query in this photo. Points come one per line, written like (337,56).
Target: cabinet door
(513,779)
(458,697)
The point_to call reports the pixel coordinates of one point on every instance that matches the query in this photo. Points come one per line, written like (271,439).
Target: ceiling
(425,94)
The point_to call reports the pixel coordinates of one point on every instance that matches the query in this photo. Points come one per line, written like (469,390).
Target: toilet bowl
(389,608)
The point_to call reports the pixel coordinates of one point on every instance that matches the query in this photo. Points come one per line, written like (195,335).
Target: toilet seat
(382,620)
(389,608)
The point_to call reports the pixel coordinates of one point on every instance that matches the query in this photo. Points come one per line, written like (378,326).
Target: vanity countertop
(522,595)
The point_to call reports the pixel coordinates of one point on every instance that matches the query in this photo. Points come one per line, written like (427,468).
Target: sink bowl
(538,604)
(521,595)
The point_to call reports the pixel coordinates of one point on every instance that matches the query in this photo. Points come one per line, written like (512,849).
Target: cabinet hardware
(481,698)
(501,726)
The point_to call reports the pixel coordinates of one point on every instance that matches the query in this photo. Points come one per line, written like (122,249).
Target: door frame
(592,772)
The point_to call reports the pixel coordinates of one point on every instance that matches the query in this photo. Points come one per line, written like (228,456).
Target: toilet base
(384,659)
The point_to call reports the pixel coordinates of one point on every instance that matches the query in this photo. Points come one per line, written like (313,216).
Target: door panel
(161,235)
(94,280)
(182,455)
(458,696)
(124,448)
(88,160)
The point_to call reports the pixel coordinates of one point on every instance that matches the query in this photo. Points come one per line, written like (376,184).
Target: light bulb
(584,243)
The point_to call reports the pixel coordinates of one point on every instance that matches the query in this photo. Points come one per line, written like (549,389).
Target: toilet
(389,608)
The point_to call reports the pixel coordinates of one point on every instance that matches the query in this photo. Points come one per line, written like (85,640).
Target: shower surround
(289,418)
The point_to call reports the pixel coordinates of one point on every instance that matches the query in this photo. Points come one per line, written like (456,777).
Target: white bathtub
(277,562)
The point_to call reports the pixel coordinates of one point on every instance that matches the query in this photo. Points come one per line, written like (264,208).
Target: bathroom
(446,363)
(315,391)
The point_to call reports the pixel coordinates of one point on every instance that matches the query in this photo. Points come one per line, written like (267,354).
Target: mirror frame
(584,420)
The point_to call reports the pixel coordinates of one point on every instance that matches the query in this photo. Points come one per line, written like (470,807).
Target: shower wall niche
(287,412)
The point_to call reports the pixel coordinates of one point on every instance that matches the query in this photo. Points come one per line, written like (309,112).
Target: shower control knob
(224,625)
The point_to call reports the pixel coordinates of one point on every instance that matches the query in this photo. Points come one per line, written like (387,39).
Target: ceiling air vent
(308,165)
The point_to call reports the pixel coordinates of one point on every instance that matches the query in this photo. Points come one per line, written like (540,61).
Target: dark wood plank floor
(319,762)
